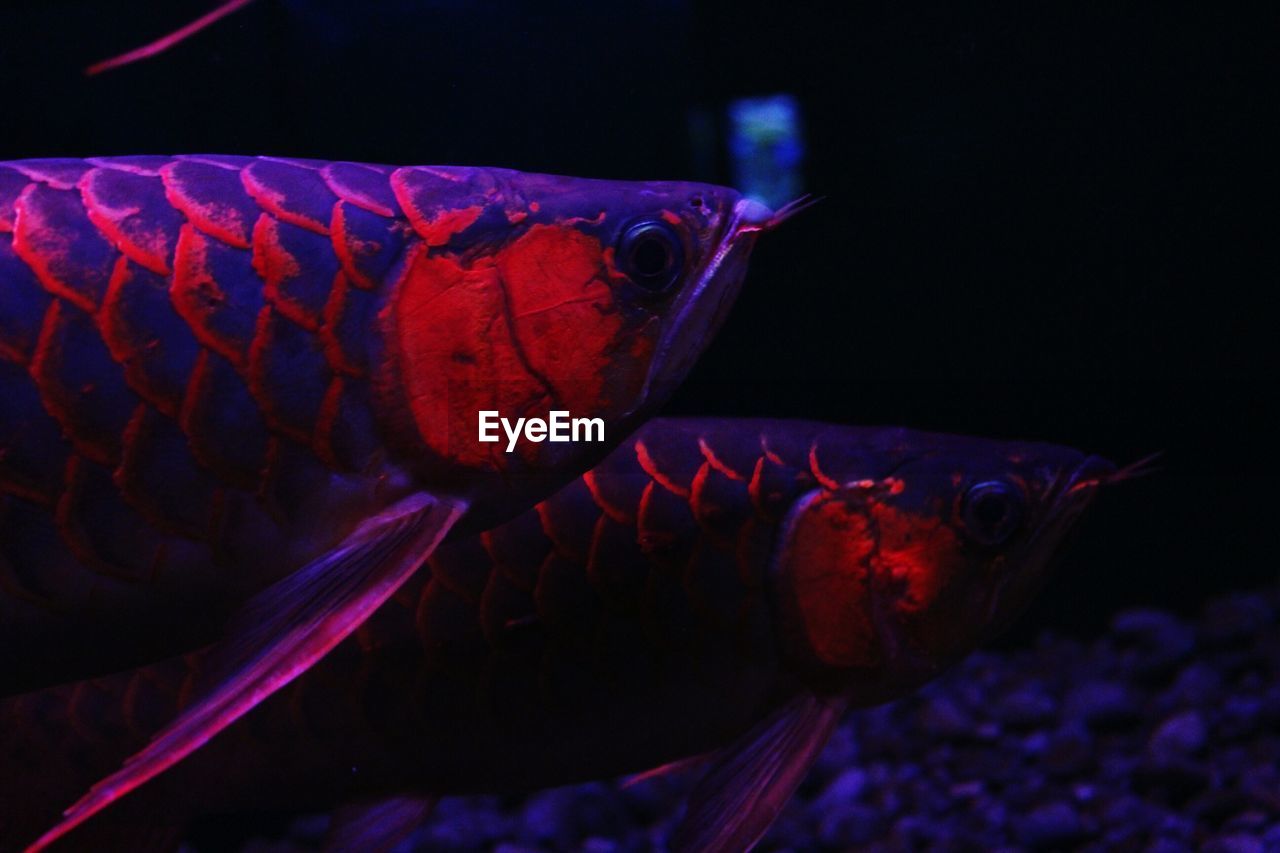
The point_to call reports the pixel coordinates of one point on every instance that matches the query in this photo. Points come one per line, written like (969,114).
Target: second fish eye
(992,511)
(651,254)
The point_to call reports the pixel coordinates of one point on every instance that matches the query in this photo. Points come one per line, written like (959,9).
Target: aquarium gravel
(1161,735)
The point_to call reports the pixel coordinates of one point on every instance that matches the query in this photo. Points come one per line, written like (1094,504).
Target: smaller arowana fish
(714,588)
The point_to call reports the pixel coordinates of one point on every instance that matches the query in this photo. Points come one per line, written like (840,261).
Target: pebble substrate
(1161,735)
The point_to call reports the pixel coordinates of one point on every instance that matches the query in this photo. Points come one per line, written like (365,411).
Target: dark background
(1039,222)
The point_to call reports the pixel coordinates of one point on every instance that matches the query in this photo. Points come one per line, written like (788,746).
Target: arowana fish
(714,587)
(221,372)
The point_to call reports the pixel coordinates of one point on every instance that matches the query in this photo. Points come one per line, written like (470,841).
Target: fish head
(894,579)
(588,297)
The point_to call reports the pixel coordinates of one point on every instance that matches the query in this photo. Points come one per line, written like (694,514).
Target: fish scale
(186,342)
(159,319)
(142,212)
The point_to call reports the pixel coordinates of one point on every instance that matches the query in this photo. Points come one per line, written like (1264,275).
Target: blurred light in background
(766,149)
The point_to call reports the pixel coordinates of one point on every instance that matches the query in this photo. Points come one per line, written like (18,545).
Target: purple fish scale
(462,567)
(147,365)
(504,609)
(138,164)
(233,162)
(714,582)
(618,571)
(351,434)
(350,314)
(290,191)
(423,193)
(718,500)
(613,578)
(23,303)
(93,700)
(292,477)
(569,521)
(131,210)
(362,185)
(775,487)
(213,200)
(290,376)
(12,183)
(223,423)
(159,474)
(318,718)
(367,243)
(62,173)
(449,630)
(104,531)
(148,338)
(299,267)
(155,692)
(33,452)
(55,237)
(509,549)
(36,563)
(219,294)
(80,385)
(565,601)
(665,525)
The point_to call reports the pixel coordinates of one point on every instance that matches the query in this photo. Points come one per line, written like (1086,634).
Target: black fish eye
(991,512)
(651,254)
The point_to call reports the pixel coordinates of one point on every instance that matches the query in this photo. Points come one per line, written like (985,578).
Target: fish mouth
(1067,498)
(1071,496)
(699,312)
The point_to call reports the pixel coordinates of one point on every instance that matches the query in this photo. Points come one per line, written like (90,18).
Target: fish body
(698,583)
(214,369)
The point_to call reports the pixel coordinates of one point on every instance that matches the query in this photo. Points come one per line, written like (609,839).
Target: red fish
(219,372)
(717,588)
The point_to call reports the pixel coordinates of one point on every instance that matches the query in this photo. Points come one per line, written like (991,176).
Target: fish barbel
(714,587)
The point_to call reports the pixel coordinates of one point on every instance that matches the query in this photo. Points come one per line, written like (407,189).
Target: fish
(238,395)
(715,589)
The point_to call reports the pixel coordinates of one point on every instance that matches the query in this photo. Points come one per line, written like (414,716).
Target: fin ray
(744,791)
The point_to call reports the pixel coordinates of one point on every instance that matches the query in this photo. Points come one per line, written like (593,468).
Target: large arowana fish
(221,372)
(714,587)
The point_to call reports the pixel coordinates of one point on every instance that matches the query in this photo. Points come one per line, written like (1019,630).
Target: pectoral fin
(741,795)
(283,631)
(378,826)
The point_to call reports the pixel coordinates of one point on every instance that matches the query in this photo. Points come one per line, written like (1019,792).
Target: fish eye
(651,254)
(991,512)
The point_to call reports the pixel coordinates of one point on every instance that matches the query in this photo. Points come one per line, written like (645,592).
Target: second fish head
(887,582)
